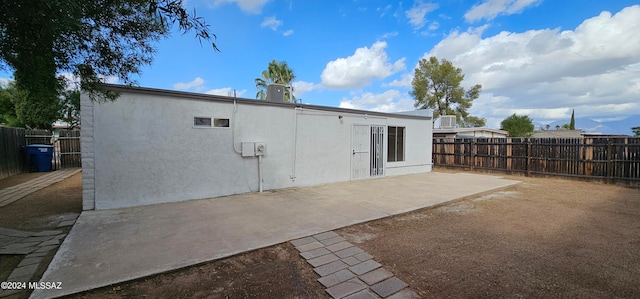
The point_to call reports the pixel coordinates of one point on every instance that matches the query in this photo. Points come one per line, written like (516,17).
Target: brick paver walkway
(348,271)
(33,245)
(11,194)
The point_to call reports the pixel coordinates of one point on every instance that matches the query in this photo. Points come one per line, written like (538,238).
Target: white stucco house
(446,126)
(156,146)
(469,133)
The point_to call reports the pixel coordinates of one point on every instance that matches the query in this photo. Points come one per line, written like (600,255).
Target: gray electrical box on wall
(248,149)
(253,149)
(260,148)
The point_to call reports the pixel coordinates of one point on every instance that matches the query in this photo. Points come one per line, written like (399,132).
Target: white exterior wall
(418,135)
(143,148)
(87,149)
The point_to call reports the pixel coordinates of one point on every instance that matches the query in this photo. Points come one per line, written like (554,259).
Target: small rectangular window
(395,144)
(221,122)
(210,122)
(202,121)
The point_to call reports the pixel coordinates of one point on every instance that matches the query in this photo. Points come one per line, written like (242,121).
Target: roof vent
(447,122)
(275,93)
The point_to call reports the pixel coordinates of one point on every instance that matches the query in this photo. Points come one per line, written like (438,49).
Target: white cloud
(593,69)
(271,22)
(361,68)
(418,13)
(405,81)
(389,34)
(383,10)
(196,84)
(227,91)
(73,82)
(490,9)
(389,101)
(301,87)
(248,6)
(434,26)
(111,79)
(5,81)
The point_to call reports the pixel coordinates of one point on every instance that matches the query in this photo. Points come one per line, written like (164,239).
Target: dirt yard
(548,238)
(544,238)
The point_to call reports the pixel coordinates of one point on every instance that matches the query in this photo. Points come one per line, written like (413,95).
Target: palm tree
(276,73)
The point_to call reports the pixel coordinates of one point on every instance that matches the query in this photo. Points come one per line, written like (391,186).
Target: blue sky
(541,58)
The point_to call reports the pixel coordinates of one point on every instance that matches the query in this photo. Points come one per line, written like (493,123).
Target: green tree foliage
(8,96)
(70,108)
(15,113)
(276,73)
(436,85)
(474,122)
(636,131)
(518,125)
(572,124)
(92,40)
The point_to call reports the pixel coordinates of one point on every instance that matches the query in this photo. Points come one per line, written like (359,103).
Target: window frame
(213,122)
(396,142)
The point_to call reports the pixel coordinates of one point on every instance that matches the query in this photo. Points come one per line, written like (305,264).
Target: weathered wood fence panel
(38,137)
(68,149)
(611,158)
(12,157)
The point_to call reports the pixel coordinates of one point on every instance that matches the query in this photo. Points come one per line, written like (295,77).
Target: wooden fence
(38,137)
(66,146)
(68,149)
(615,159)
(12,157)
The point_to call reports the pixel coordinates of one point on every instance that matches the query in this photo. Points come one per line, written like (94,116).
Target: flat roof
(464,130)
(229,99)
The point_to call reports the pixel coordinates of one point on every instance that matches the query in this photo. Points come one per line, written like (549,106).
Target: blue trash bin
(40,156)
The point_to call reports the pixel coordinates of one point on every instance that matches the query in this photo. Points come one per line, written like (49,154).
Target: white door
(360,146)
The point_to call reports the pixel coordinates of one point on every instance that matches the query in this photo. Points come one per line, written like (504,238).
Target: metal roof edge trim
(209,97)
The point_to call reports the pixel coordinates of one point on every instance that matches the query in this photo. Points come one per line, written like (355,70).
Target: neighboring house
(469,133)
(558,134)
(445,127)
(154,146)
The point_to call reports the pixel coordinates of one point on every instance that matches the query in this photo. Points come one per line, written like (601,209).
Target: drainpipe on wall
(260,172)
(295,143)
(233,124)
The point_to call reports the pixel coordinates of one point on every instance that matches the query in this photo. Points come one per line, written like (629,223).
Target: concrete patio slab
(111,246)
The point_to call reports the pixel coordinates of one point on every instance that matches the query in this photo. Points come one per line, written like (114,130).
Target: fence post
(474,153)
(508,154)
(609,162)
(528,141)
